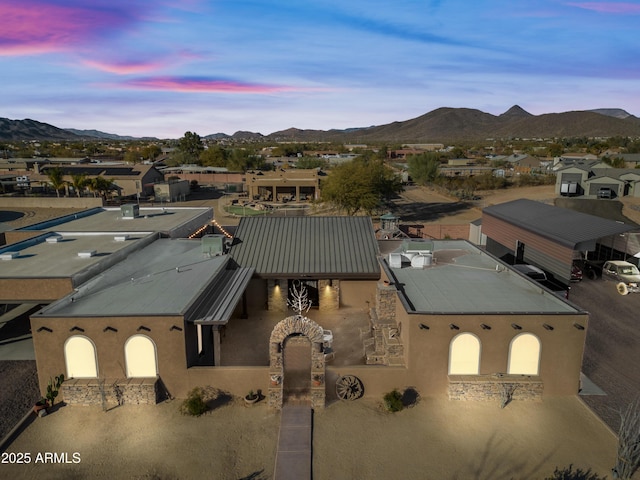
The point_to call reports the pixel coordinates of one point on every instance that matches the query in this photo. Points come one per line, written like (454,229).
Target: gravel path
(18,392)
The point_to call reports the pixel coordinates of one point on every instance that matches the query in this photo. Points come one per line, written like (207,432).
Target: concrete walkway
(293,458)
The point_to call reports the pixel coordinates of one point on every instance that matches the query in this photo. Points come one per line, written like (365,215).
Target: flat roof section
(461,278)
(165,220)
(56,255)
(165,278)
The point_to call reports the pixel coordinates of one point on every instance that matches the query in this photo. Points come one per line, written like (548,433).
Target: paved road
(612,353)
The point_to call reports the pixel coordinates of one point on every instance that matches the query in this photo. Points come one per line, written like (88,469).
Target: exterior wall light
(547,326)
(515,326)
(74,328)
(109,329)
(422,326)
(578,326)
(484,326)
(454,327)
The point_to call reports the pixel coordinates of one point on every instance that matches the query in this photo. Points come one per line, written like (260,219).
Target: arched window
(524,355)
(464,355)
(140,357)
(80,357)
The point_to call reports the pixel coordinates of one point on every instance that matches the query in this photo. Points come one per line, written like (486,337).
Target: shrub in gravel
(393,401)
(194,404)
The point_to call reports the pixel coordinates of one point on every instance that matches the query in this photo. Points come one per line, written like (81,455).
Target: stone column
(277,295)
(329,295)
(216,346)
(385,302)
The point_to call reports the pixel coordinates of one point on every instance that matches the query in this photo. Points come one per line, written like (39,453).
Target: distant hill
(440,125)
(97,134)
(460,124)
(32,130)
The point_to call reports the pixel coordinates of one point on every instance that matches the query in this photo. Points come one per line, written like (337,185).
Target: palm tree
(56,179)
(100,185)
(79,182)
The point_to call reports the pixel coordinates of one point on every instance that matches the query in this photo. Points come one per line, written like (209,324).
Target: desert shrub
(568,473)
(194,404)
(393,401)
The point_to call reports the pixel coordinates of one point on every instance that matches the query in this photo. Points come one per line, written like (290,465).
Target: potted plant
(317,379)
(251,398)
(40,405)
(275,379)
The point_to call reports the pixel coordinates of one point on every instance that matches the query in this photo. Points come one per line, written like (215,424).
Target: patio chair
(329,354)
(327,338)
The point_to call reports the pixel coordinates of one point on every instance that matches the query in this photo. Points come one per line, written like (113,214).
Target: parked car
(576,273)
(625,274)
(531,271)
(605,192)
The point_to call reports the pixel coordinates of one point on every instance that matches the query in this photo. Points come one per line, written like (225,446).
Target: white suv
(624,273)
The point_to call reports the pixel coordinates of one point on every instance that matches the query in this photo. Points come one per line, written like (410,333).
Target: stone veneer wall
(277,297)
(385,302)
(489,387)
(132,391)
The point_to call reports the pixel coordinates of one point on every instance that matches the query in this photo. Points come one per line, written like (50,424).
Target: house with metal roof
(552,238)
(330,256)
(173,314)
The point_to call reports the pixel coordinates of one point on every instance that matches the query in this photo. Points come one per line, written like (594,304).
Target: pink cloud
(124,68)
(33,26)
(609,7)
(203,85)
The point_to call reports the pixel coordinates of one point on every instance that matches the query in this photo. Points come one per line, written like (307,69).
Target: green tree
(423,168)
(56,179)
(615,162)
(100,186)
(191,145)
(311,162)
(79,182)
(214,156)
(361,184)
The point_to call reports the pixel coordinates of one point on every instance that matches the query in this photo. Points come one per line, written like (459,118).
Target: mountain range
(440,125)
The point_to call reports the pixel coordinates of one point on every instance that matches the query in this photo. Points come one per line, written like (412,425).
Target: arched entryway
(300,335)
(296,363)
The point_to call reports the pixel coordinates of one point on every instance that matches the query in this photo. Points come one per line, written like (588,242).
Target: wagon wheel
(349,387)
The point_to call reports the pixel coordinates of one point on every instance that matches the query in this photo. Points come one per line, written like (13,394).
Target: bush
(393,401)
(194,404)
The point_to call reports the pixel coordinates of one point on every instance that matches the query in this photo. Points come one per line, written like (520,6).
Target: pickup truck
(625,274)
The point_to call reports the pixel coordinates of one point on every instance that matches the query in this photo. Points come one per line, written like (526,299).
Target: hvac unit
(130,210)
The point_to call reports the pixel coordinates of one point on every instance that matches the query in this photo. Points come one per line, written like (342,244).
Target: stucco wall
(358,293)
(170,346)
(22,203)
(427,349)
(34,290)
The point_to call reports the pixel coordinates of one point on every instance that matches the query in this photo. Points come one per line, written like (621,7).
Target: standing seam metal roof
(313,246)
(561,225)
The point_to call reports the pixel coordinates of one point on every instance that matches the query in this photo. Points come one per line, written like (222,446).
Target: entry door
(297,368)
(519,252)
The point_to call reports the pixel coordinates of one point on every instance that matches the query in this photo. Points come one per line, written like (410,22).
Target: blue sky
(164,67)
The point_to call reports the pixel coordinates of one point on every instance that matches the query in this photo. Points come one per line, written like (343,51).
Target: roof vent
(422,260)
(395,260)
(130,210)
(9,255)
(121,238)
(54,239)
(86,253)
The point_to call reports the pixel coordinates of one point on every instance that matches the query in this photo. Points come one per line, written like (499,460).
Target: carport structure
(547,236)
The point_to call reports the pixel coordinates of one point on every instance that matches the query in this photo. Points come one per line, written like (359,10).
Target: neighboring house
(284,185)
(130,180)
(589,179)
(527,164)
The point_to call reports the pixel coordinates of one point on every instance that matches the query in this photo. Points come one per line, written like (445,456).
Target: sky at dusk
(163,67)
